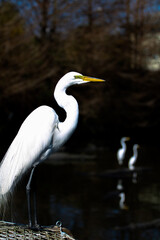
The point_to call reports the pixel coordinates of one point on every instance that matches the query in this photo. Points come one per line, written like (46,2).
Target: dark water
(81,191)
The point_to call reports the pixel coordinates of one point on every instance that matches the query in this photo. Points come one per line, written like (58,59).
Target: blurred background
(119,41)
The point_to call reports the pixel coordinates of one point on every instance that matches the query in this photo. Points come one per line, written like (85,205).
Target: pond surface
(95,198)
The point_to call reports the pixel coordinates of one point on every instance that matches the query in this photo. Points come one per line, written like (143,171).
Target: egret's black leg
(28,188)
(12,217)
(36,225)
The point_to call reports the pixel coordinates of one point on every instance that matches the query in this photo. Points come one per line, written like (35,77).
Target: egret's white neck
(135,152)
(70,105)
(123,144)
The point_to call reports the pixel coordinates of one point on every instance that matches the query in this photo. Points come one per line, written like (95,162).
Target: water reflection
(95,198)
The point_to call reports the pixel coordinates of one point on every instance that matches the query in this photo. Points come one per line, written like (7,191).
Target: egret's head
(125,139)
(136,146)
(84,79)
(73,78)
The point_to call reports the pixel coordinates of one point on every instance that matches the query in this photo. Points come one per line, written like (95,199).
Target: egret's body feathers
(24,150)
(41,134)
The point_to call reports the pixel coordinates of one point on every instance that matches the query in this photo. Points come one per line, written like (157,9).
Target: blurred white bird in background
(121,152)
(40,135)
(133,159)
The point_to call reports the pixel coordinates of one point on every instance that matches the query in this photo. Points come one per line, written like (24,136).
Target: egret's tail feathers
(4,200)
(12,168)
(7,181)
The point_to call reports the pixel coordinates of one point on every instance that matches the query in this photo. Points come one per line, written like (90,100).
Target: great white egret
(133,159)
(40,135)
(121,152)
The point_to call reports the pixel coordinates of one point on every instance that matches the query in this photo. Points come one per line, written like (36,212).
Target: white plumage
(122,151)
(41,134)
(133,159)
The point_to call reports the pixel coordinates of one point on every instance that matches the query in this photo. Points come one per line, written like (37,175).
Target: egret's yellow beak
(127,138)
(89,79)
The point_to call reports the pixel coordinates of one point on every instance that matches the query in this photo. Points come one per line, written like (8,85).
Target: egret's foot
(35,227)
(29,225)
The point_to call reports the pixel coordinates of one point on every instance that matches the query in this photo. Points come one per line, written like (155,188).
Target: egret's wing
(32,141)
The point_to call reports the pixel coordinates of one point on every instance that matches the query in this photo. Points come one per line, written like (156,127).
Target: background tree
(115,40)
